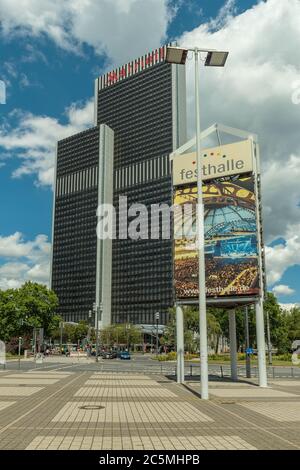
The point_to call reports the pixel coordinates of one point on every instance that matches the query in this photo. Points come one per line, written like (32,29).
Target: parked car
(109,355)
(125,355)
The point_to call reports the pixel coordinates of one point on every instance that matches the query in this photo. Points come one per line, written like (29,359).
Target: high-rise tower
(142,107)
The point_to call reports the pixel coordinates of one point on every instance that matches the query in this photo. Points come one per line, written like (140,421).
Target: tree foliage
(284,326)
(32,305)
(120,334)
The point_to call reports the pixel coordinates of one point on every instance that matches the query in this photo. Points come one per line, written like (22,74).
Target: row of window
(124,177)
(79,181)
(142,172)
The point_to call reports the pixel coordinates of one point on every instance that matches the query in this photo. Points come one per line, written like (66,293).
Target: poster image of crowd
(231,251)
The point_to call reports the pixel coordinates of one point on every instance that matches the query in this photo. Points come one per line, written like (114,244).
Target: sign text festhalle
(225,160)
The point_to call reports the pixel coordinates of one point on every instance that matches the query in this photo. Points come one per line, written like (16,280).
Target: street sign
(249,350)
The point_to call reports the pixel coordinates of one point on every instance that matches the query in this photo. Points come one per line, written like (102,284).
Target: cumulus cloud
(23,260)
(257,91)
(282,289)
(119,29)
(33,139)
(281,196)
(254,90)
(282,256)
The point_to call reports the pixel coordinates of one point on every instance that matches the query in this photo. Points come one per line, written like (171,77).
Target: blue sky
(49,60)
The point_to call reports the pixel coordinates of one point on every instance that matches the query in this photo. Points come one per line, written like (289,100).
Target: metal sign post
(180,343)
(240,161)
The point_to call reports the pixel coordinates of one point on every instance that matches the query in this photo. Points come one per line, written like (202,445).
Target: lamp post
(157,321)
(98,317)
(178,55)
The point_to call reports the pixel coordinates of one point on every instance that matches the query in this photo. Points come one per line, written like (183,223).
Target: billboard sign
(131,68)
(231,244)
(217,162)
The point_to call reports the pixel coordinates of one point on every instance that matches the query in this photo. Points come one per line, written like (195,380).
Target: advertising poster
(231,251)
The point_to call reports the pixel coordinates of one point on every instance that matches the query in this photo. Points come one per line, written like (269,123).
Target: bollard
(222,374)
(273,372)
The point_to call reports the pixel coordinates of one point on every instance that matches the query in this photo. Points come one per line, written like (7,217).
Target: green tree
(80,331)
(278,324)
(32,305)
(114,335)
(293,324)
(10,315)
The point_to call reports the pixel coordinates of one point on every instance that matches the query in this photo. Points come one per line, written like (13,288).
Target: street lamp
(157,321)
(127,329)
(97,309)
(178,55)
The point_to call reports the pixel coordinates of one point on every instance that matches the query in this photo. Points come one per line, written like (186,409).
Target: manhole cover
(22,385)
(228,402)
(91,407)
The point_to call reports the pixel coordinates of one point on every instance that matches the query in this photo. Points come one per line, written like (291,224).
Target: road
(145,364)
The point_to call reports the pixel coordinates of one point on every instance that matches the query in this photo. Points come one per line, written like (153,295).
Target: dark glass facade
(74,242)
(139,110)
(143,112)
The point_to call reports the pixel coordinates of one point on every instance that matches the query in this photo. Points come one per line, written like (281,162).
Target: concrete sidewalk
(55,409)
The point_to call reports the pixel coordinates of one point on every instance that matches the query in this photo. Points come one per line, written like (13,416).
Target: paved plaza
(64,408)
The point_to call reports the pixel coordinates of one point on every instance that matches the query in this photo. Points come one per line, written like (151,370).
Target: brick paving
(87,410)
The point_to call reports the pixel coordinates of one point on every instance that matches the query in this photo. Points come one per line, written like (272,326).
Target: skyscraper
(141,108)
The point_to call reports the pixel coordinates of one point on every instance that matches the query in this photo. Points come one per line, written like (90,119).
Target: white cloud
(23,260)
(33,139)
(282,256)
(282,289)
(281,197)
(119,28)
(255,92)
